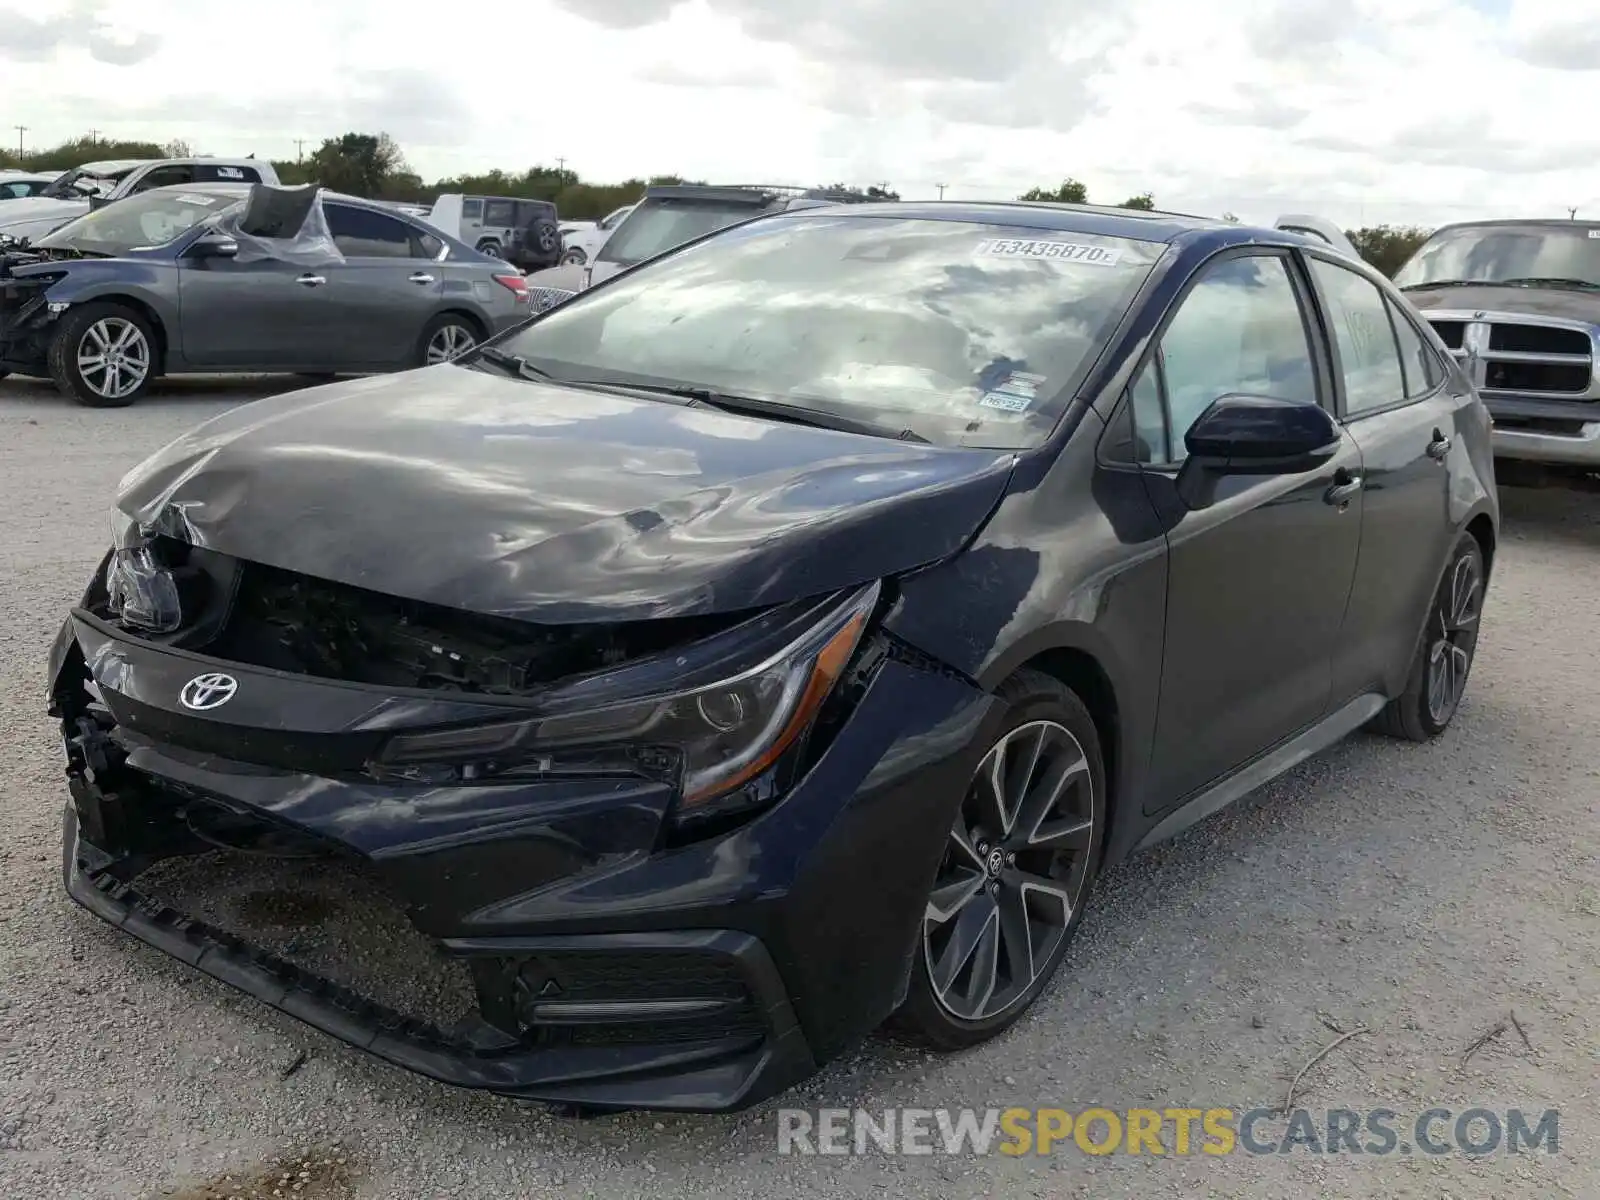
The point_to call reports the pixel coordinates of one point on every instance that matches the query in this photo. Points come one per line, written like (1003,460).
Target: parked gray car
(152,285)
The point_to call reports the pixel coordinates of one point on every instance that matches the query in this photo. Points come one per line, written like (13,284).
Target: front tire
(492,249)
(1022,855)
(103,355)
(574,257)
(1439,669)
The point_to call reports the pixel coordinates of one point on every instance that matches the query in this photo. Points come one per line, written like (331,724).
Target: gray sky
(1407,111)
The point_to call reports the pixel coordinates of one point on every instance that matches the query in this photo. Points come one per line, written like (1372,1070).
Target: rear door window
(163,177)
(362,233)
(206,172)
(472,210)
(500,214)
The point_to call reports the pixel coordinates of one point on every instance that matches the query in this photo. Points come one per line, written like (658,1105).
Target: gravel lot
(1423,892)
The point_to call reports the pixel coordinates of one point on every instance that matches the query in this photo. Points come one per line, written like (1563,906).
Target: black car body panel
(620,956)
(506,498)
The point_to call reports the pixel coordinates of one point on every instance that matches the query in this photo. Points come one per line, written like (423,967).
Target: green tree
(1144,201)
(1070,192)
(358,164)
(1387,247)
(77,151)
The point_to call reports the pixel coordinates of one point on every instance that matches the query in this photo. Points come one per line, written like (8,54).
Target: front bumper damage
(608,967)
(26,314)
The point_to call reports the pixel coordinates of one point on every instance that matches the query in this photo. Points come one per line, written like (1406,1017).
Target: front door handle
(1439,447)
(1345,486)
(420,277)
(311,280)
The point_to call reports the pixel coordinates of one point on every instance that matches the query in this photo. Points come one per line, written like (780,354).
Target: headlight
(724,736)
(143,589)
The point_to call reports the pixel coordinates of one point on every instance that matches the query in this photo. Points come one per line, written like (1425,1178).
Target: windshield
(138,222)
(1497,253)
(79,183)
(659,225)
(966,334)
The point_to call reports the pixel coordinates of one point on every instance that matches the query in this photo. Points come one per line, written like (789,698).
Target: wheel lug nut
(1011,860)
(983,847)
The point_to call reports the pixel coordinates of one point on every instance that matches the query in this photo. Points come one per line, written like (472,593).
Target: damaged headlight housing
(724,736)
(143,591)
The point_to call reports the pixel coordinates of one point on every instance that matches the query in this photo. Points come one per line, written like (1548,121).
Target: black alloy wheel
(1438,676)
(1016,870)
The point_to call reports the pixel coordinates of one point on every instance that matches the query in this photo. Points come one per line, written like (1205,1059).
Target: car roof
(1134,223)
(241,190)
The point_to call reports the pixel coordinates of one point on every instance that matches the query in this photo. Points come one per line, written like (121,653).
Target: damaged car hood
(452,486)
(35,216)
(1570,303)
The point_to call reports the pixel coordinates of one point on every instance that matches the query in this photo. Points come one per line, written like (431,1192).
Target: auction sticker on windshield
(1071,252)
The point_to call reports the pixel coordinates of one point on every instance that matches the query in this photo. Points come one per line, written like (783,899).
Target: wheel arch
(1075,655)
(475,320)
(152,317)
(1482,529)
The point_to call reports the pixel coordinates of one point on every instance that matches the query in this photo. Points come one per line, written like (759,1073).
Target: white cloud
(1366,110)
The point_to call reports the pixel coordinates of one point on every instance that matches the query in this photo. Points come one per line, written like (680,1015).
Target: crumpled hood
(452,486)
(40,211)
(1544,302)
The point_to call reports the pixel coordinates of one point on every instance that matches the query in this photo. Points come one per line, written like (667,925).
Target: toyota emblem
(211,690)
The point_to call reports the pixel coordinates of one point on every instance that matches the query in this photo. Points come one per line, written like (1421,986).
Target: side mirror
(1253,435)
(97,202)
(214,247)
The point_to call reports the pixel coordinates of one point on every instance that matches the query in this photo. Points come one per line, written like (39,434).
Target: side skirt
(1334,727)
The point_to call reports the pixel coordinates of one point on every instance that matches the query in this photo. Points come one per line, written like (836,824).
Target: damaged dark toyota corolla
(772,641)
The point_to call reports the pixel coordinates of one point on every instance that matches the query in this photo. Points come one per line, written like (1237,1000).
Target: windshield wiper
(1433,283)
(514,364)
(1552,281)
(751,406)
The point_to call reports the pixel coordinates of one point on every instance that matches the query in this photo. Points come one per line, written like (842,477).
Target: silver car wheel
(114,358)
(574,258)
(449,342)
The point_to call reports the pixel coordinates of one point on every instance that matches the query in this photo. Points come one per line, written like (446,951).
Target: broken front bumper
(607,969)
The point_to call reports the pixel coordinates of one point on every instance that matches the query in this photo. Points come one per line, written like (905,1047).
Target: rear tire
(574,257)
(1443,659)
(491,248)
(446,338)
(103,355)
(1015,874)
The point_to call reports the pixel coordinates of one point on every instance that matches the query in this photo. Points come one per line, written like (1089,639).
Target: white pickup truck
(75,192)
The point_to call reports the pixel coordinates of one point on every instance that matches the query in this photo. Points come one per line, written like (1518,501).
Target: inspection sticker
(1072,252)
(1007,401)
(1594,233)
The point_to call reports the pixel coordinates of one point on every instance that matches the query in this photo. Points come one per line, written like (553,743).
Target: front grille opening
(1450,332)
(1538,339)
(326,915)
(1536,377)
(299,624)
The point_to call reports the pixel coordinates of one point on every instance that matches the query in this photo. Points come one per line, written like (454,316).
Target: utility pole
(299,149)
(21,129)
(94,136)
(1572,214)
(941,188)
(561,169)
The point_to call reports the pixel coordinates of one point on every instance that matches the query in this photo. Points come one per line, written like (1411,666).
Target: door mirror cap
(214,247)
(1254,435)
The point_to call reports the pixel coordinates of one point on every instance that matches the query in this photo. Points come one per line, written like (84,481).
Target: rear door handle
(1439,447)
(1345,486)
(311,280)
(420,277)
